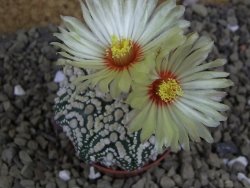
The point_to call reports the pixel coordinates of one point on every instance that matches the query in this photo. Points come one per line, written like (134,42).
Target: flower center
(122,53)
(169,90)
(166,89)
(120,48)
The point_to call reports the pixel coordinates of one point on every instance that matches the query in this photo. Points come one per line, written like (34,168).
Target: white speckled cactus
(96,124)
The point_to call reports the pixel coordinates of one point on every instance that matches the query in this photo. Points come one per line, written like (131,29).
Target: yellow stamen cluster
(169,90)
(120,47)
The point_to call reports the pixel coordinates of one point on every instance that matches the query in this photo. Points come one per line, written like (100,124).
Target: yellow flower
(115,37)
(178,99)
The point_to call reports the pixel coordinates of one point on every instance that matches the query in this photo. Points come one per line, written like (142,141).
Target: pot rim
(126,173)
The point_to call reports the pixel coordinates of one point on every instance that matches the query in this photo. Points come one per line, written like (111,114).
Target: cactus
(96,125)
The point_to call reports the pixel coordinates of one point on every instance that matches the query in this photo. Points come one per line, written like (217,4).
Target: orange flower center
(166,89)
(122,54)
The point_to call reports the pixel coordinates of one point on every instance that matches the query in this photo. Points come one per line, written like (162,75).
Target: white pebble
(233,28)
(92,174)
(64,175)
(241,159)
(59,77)
(242,177)
(19,91)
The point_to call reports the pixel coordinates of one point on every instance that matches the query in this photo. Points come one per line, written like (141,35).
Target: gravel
(200,9)
(140,183)
(32,154)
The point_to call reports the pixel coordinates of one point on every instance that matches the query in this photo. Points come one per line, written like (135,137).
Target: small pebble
(167,182)
(200,9)
(189,2)
(18,90)
(24,157)
(32,145)
(4,170)
(59,77)
(61,183)
(50,185)
(140,183)
(27,183)
(64,175)
(233,28)
(27,171)
(243,160)
(52,86)
(118,183)
(242,177)
(8,154)
(41,140)
(103,184)
(225,148)
(187,171)
(214,160)
(20,141)
(15,172)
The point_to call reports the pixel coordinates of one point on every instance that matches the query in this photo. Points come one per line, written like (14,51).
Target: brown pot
(126,174)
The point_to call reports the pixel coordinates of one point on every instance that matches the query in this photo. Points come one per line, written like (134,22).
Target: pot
(124,173)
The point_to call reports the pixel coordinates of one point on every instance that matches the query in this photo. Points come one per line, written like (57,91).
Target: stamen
(120,48)
(169,90)
(122,53)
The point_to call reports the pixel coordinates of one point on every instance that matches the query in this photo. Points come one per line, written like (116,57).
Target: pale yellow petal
(138,121)
(198,98)
(183,138)
(189,124)
(173,40)
(178,56)
(171,126)
(160,133)
(196,115)
(104,83)
(137,102)
(150,123)
(205,109)
(138,77)
(205,75)
(186,71)
(164,132)
(124,82)
(204,133)
(141,67)
(114,90)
